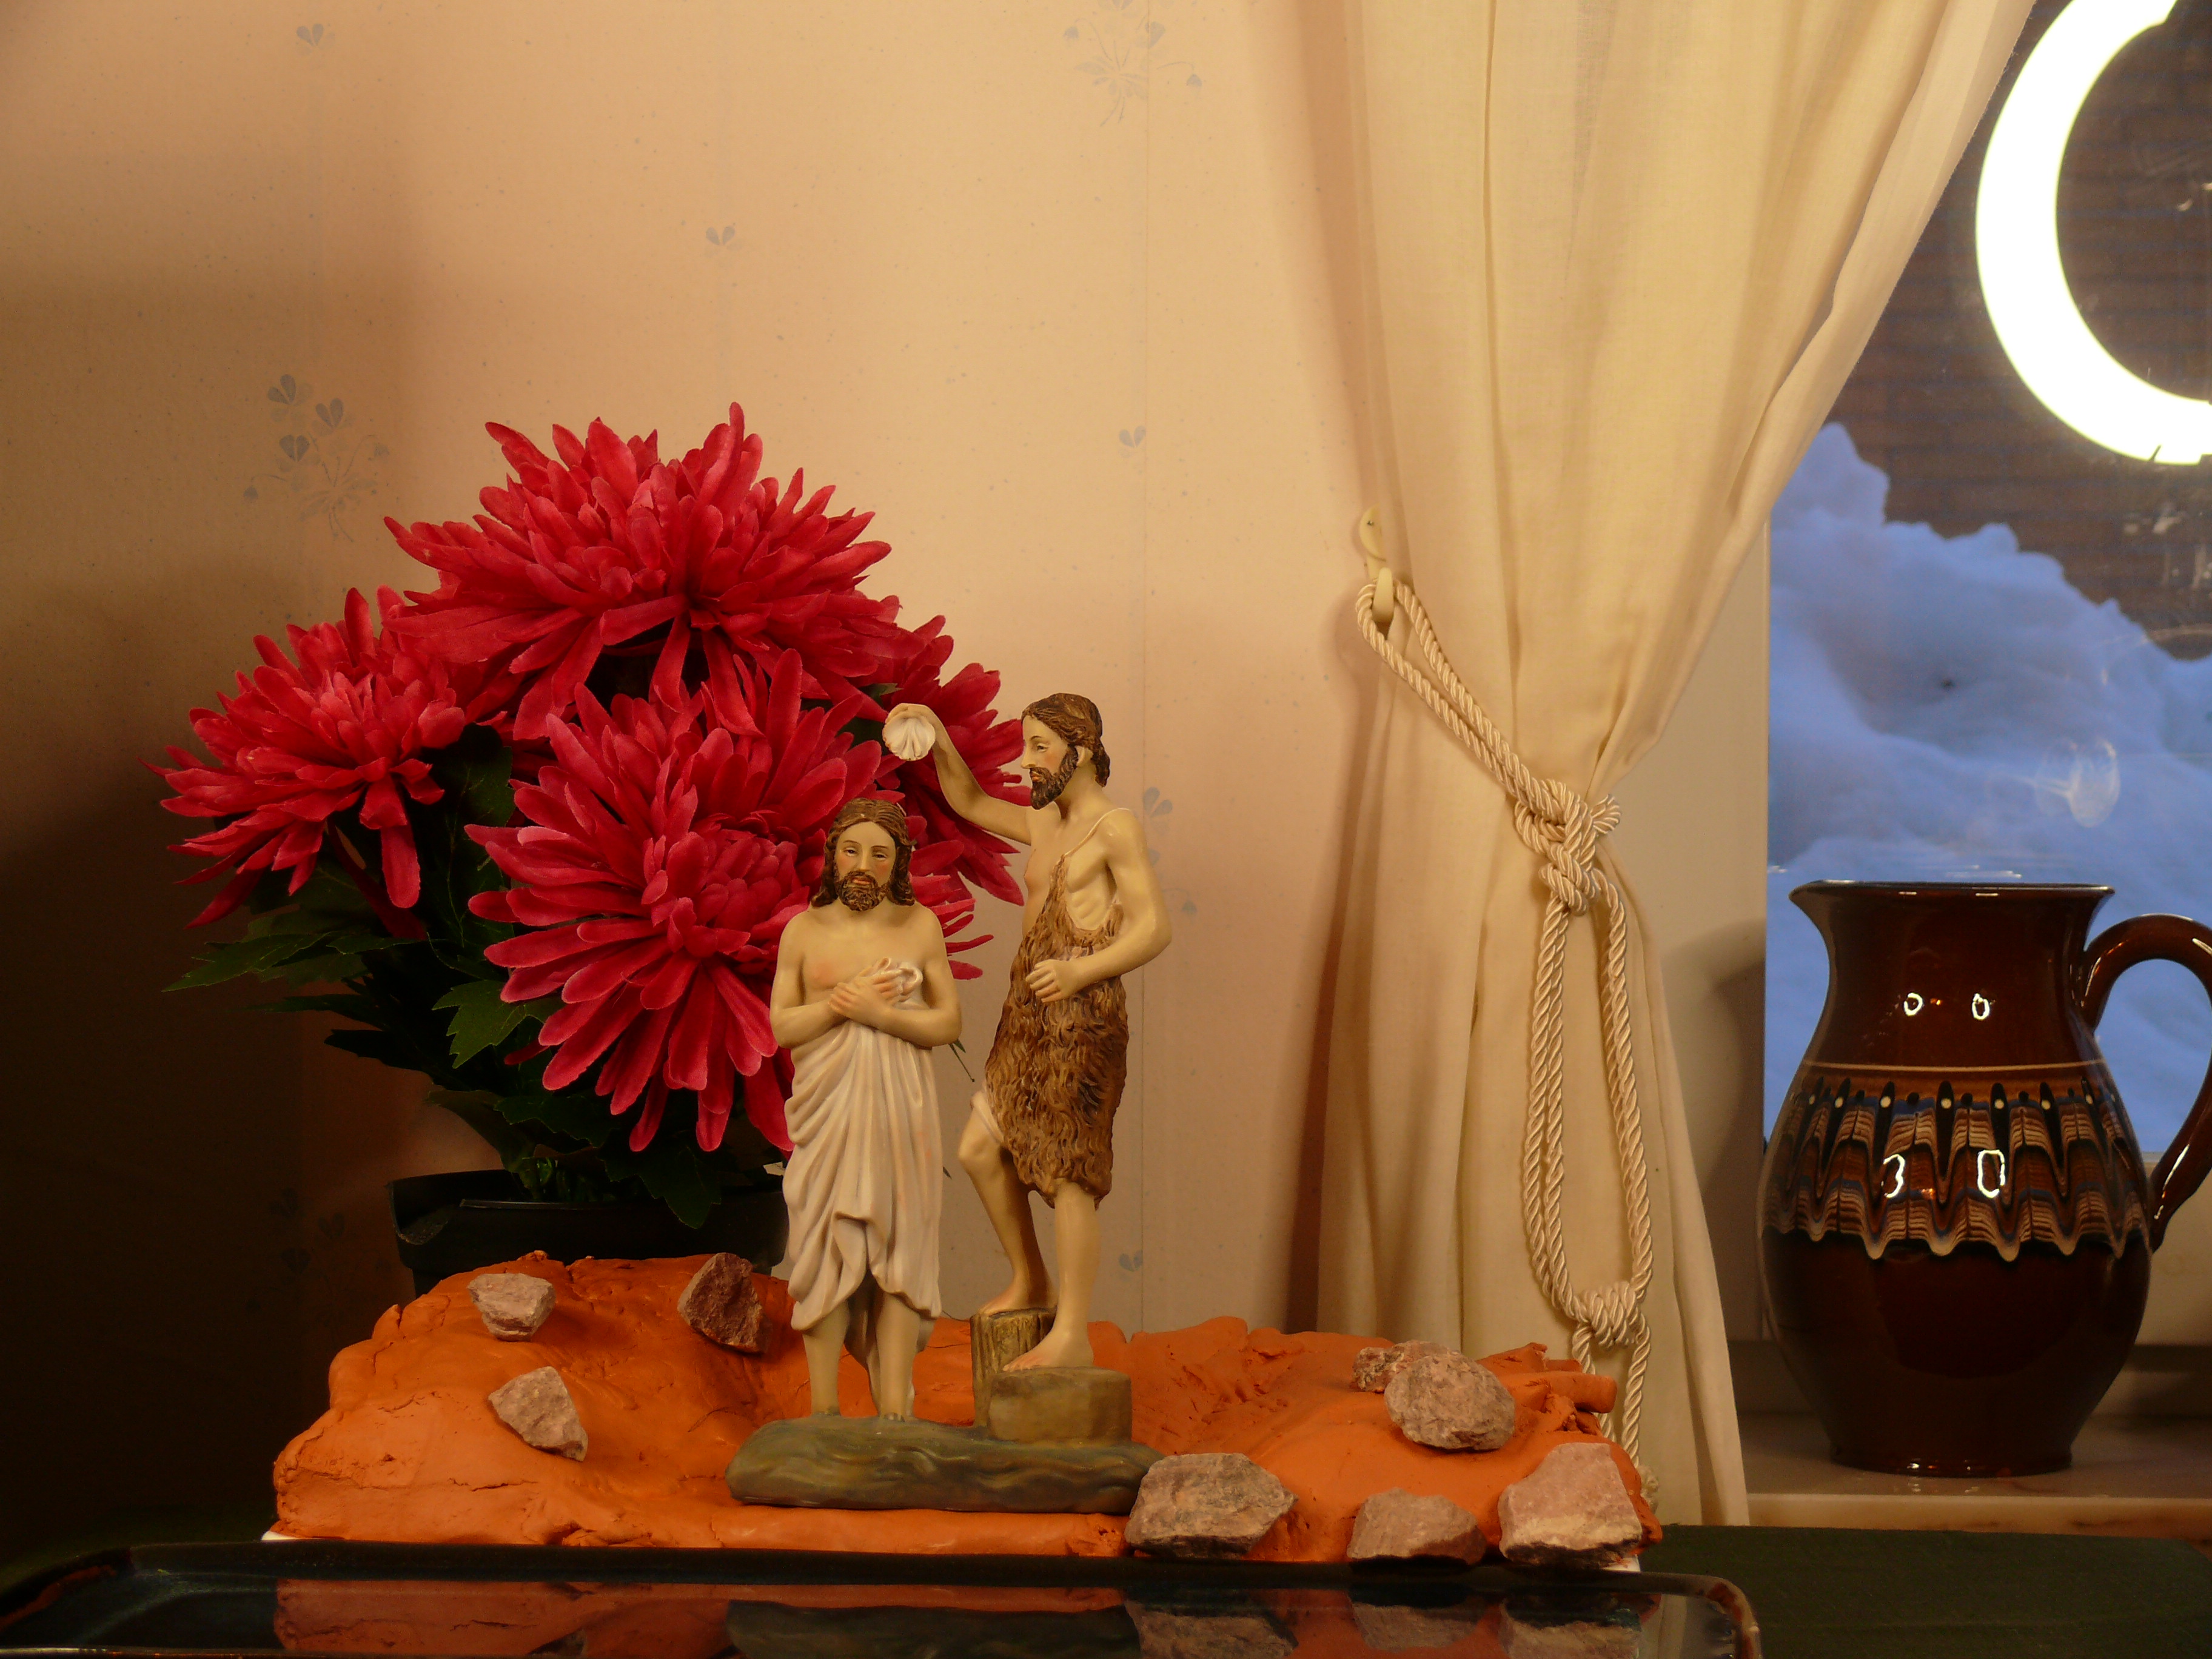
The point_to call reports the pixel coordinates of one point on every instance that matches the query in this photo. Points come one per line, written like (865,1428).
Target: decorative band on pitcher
(1906,1156)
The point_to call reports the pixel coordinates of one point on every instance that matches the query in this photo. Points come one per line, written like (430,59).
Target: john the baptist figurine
(1043,1120)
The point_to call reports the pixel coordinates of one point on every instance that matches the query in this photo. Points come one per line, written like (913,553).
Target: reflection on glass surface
(908,1621)
(183,1612)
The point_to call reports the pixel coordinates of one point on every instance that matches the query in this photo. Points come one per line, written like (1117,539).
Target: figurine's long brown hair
(1074,718)
(892,817)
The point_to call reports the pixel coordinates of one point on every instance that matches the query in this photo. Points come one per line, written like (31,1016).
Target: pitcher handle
(2185,1163)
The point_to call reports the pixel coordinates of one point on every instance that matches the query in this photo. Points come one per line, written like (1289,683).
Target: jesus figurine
(1043,1120)
(863,991)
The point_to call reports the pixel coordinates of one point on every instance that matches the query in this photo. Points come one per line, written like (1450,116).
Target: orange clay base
(410,1451)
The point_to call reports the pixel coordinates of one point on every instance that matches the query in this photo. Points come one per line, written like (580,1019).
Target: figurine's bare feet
(1024,1293)
(1058,1348)
(827,1410)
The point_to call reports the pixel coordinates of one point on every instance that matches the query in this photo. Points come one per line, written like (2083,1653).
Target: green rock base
(879,1463)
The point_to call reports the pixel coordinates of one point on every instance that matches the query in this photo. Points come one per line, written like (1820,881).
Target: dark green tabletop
(1831,1594)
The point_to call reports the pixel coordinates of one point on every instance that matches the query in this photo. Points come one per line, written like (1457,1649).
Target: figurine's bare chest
(833,957)
(1089,890)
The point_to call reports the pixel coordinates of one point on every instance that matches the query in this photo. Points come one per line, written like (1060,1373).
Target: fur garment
(1054,1074)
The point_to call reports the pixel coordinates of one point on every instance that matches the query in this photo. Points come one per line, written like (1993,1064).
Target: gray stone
(1373,1367)
(538,1407)
(1527,1635)
(1083,1405)
(1397,1526)
(511,1305)
(723,1305)
(1448,1402)
(903,1463)
(1207,1506)
(1571,1510)
(1184,1632)
(1388,1628)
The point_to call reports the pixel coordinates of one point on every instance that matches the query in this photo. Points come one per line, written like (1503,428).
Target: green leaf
(245,956)
(477,770)
(320,967)
(672,1169)
(374,1045)
(454,870)
(330,900)
(349,1005)
(575,1115)
(481,1020)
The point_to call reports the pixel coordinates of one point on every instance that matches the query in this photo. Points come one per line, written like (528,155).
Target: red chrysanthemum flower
(610,541)
(344,727)
(659,864)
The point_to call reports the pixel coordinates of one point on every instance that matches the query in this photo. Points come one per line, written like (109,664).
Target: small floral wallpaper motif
(1157,808)
(324,464)
(312,35)
(1117,47)
(721,239)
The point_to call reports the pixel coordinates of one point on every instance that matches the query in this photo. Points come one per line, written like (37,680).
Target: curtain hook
(1386,586)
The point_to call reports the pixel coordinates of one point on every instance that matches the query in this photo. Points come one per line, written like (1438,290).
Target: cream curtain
(1619,260)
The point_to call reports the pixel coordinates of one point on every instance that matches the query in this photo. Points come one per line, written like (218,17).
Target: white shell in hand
(910,737)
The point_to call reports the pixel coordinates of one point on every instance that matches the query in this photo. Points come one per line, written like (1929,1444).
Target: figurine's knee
(979,1148)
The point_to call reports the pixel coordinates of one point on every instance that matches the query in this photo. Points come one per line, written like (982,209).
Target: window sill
(2132,1477)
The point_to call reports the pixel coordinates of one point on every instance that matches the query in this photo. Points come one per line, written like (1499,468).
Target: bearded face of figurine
(1048,761)
(866,863)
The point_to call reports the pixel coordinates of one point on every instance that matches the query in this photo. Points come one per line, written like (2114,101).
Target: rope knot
(1563,829)
(1612,1314)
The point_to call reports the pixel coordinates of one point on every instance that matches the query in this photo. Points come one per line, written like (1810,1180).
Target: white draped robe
(864,1179)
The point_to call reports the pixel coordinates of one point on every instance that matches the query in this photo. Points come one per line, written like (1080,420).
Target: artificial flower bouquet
(537,833)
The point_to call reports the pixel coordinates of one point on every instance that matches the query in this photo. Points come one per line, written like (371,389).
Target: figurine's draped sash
(865,1179)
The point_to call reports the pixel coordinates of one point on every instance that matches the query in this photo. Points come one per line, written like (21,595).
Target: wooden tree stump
(999,1339)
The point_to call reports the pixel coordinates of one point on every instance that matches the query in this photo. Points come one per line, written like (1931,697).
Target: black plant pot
(448,1224)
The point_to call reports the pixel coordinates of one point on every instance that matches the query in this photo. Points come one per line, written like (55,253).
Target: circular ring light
(2016,245)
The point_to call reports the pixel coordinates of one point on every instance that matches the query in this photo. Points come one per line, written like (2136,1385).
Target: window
(1991,650)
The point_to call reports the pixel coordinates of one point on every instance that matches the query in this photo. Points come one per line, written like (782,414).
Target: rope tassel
(1563,829)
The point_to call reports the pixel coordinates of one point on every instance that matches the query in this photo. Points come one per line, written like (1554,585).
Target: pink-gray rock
(1389,1628)
(722,1304)
(1167,1631)
(1206,1506)
(1571,1510)
(1527,1635)
(1397,1526)
(1448,1402)
(511,1305)
(1373,1367)
(538,1407)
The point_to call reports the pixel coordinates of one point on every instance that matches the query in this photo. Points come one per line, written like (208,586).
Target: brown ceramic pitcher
(1954,1227)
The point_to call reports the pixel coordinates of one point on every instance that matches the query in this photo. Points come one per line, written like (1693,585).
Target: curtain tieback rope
(1563,829)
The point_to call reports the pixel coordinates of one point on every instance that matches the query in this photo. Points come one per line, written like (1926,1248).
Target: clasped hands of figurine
(868,997)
